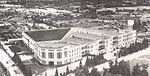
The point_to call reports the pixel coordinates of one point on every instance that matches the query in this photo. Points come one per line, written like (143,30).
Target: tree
(106,72)
(93,13)
(138,46)
(85,70)
(17,59)
(124,68)
(56,73)
(123,51)
(78,73)
(144,27)
(144,73)
(136,70)
(145,43)
(95,60)
(87,63)
(94,72)
(80,64)
(137,25)
(67,70)
(29,72)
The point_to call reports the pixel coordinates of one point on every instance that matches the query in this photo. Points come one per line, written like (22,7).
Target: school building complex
(66,45)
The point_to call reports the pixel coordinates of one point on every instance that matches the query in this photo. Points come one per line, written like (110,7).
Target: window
(115,42)
(59,50)
(92,46)
(50,50)
(101,42)
(65,61)
(65,53)
(43,49)
(106,41)
(59,55)
(44,62)
(65,48)
(82,48)
(119,37)
(115,37)
(50,55)
(101,47)
(86,47)
(59,62)
(43,55)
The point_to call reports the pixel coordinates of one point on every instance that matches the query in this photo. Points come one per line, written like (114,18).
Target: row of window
(102,42)
(51,55)
(87,47)
(69,60)
(127,35)
(75,50)
(74,54)
(53,50)
(126,39)
(101,47)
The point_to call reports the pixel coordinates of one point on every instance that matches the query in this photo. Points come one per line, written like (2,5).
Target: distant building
(62,46)
(10,6)
(32,1)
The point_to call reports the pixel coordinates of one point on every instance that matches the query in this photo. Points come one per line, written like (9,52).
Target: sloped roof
(48,35)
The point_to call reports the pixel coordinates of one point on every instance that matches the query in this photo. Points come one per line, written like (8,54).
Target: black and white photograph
(74,37)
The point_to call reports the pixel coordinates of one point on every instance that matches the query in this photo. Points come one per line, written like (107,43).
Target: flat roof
(54,45)
(48,35)
(59,38)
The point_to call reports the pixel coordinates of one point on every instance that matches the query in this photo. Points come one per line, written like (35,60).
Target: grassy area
(19,47)
(15,49)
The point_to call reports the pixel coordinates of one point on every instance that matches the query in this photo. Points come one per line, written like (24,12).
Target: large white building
(62,46)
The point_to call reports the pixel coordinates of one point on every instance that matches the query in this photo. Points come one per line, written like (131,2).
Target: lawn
(19,47)
(15,49)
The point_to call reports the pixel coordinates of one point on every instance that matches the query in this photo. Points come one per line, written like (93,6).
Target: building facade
(63,46)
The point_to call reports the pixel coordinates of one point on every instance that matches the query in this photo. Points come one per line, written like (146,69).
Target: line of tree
(85,72)
(121,68)
(97,59)
(136,71)
(68,71)
(135,47)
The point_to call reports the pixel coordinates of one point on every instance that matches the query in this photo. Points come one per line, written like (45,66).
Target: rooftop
(47,35)
(49,44)
(111,30)
(59,38)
